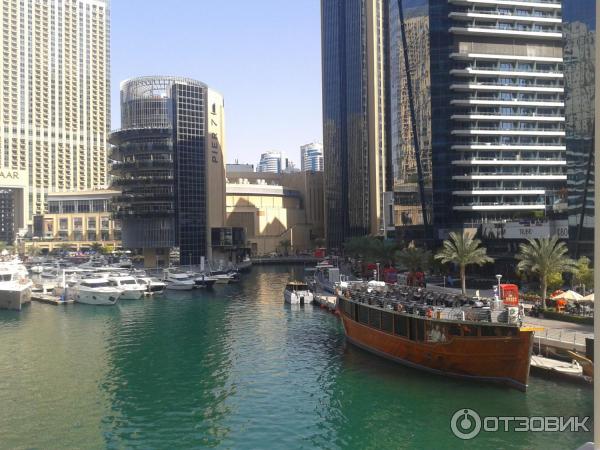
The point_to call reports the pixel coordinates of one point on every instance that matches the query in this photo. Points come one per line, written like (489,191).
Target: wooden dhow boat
(438,332)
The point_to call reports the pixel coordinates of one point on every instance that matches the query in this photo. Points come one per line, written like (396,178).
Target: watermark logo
(466,424)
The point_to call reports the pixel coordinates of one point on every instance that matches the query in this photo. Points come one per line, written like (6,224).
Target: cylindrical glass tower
(143,167)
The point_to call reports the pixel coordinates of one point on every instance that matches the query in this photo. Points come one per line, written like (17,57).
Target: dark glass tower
(354,141)
(579,37)
(487,111)
(160,166)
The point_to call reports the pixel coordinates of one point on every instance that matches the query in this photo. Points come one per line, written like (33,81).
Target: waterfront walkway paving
(564,332)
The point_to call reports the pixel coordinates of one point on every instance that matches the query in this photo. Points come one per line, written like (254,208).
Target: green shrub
(553,315)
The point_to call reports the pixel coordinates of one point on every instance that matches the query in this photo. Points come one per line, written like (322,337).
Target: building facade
(579,40)
(311,157)
(354,40)
(54,108)
(273,208)
(484,83)
(169,155)
(271,162)
(239,167)
(77,220)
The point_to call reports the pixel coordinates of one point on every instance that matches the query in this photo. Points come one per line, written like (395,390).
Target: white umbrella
(589,297)
(569,295)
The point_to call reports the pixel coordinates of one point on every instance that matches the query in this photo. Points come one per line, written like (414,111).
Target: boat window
(95,285)
(400,326)
(454,330)
(375,318)
(490,331)
(127,281)
(6,277)
(347,307)
(363,314)
(355,312)
(387,321)
(418,330)
(469,330)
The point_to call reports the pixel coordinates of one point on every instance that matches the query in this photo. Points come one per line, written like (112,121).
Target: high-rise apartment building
(354,37)
(54,107)
(488,102)
(311,157)
(170,154)
(271,162)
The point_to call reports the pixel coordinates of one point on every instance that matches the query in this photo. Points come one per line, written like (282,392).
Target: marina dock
(50,299)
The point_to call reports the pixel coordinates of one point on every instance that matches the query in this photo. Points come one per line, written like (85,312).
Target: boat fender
(429,313)
(23,280)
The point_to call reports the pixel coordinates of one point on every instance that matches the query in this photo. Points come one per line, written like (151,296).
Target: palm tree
(544,257)
(464,250)
(414,258)
(285,244)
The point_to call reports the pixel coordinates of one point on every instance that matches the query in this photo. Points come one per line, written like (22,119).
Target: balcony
(509,162)
(508,147)
(530,32)
(496,117)
(513,87)
(538,4)
(466,71)
(499,131)
(500,207)
(499,14)
(500,191)
(514,176)
(500,102)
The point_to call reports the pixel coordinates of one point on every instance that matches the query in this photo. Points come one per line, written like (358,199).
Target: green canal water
(236,368)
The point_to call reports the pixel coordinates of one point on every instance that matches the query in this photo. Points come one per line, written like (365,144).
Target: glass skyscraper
(579,38)
(164,159)
(487,102)
(353,52)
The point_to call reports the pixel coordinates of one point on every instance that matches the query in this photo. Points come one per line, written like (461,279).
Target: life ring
(23,280)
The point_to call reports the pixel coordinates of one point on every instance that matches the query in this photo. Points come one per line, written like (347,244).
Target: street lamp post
(499,277)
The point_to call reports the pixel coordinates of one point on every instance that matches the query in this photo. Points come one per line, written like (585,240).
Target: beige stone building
(273,208)
(77,220)
(55,102)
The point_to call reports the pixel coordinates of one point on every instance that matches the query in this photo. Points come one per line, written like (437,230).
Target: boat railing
(433,305)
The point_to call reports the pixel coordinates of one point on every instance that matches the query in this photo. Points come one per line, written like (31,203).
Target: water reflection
(234,368)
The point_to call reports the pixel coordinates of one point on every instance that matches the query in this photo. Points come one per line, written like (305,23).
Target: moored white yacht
(95,291)
(15,286)
(178,281)
(130,288)
(297,293)
(153,286)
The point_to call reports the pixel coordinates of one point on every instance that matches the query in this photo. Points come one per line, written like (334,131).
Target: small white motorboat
(153,286)
(177,280)
(297,293)
(96,291)
(130,288)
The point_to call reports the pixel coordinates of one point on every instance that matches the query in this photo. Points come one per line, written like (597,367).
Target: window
(104,222)
(68,206)
(53,208)
(91,235)
(400,325)
(363,314)
(63,224)
(91,223)
(77,223)
(387,321)
(83,207)
(375,318)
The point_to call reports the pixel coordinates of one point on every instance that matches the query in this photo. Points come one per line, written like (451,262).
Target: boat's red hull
(499,359)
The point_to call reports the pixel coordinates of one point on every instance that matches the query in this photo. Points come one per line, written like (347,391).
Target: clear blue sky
(263,56)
